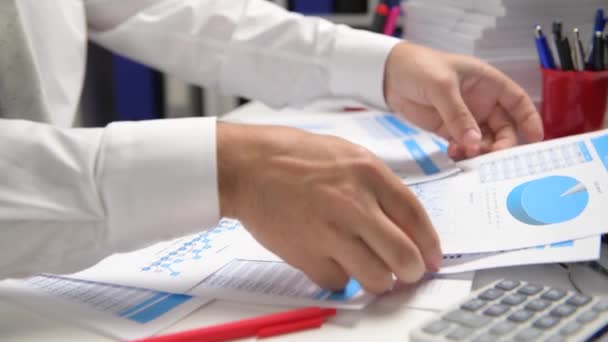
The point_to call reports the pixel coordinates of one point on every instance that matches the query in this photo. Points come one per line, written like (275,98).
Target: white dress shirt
(71,196)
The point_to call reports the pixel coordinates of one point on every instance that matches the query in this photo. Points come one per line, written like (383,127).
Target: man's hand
(326,206)
(470,103)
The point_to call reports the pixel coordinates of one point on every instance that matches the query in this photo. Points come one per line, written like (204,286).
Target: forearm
(69,197)
(251,48)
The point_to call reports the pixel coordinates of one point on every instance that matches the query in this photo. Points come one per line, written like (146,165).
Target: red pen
(391,20)
(354,109)
(264,326)
(379,17)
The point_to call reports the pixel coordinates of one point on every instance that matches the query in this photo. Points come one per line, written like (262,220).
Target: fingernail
(435,262)
(472,136)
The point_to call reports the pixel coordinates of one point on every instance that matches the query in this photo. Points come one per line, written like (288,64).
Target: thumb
(459,121)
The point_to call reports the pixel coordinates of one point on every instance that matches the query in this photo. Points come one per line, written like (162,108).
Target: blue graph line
(191,250)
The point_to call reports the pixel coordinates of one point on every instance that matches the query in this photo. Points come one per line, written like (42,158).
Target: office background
(499,31)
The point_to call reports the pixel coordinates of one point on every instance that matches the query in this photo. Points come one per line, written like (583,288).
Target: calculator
(513,310)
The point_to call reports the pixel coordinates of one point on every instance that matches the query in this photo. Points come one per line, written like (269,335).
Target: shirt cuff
(357,65)
(158,180)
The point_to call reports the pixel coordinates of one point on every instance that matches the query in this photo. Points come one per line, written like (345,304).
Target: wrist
(241,149)
(227,168)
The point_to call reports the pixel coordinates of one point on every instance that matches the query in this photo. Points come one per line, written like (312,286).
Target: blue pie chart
(548,200)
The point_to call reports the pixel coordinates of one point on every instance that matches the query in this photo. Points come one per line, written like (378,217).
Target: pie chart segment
(548,200)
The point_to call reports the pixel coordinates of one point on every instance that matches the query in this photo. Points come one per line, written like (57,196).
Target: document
(433,292)
(415,155)
(569,251)
(174,266)
(119,312)
(277,283)
(527,196)
(236,267)
(225,262)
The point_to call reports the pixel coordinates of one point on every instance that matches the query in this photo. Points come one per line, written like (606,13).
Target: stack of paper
(413,154)
(120,312)
(540,203)
(531,204)
(499,31)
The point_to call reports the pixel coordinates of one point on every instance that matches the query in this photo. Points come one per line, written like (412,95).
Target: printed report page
(416,156)
(526,196)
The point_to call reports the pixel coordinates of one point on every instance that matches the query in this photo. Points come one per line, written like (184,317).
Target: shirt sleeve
(70,197)
(251,48)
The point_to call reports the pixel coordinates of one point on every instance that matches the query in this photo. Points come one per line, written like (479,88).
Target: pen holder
(573,101)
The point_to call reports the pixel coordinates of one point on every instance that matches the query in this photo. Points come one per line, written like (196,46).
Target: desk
(378,322)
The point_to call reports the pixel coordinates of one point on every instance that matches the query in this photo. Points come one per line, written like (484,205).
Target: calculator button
(485,338)
(578,299)
(473,304)
(530,289)
(513,299)
(520,316)
(602,305)
(553,294)
(537,305)
(436,327)
(502,328)
(491,294)
(459,333)
(507,285)
(570,328)
(467,319)
(563,310)
(528,334)
(496,310)
(587,316)
(546,322)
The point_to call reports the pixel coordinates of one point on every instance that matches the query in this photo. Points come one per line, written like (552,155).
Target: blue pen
(600,20)
(544,53)
(598,25)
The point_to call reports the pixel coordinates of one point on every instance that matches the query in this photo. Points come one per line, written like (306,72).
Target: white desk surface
(379,323)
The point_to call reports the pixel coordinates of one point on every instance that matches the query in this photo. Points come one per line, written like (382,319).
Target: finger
(411,218)
(423,116)
(325,271)
(397,250)
(485,145)
(487,140)
(518,106)
(455,150)
(401,205)
(505,133)
(473,150)
(364,265)
(456,115)
(399,212)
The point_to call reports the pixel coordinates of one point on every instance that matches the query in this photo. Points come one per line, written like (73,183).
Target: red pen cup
(573,101)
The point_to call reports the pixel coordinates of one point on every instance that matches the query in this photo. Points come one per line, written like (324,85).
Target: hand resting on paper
(461,98)
(325,205)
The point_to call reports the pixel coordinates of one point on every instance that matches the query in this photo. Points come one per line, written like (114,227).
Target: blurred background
(499,31)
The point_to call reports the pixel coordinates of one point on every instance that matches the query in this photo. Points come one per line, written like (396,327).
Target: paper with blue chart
(120,312)
(584,249)
(196,264)
(274,282)
(413,154)
(522,197)
(174,266)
